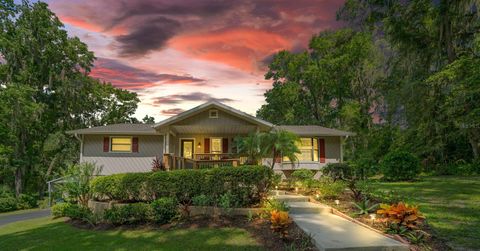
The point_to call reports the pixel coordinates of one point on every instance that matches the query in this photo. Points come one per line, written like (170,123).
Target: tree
(250,146)
(278,144)
(335,83)
(44,79)
(148,120)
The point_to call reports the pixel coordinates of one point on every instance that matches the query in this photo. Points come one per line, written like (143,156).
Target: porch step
(291,198)
(308,208)
(276,192)
(333,233)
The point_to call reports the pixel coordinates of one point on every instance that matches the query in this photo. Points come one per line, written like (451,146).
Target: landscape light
(337,202)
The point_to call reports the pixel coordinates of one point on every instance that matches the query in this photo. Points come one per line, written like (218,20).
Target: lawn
(451,205)
(47,234)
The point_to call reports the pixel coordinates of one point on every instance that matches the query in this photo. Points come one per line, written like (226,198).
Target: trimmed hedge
(128,214)
(245,183)
(72,211)
(400,165)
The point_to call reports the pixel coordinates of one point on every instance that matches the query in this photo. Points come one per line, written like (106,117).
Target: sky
(177,54)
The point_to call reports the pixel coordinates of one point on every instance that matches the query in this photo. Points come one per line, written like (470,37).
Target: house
(197,138)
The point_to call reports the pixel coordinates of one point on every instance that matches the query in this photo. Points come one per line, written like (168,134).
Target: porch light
(199,145)
(337,202)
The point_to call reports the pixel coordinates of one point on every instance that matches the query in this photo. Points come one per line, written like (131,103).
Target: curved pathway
(9,218)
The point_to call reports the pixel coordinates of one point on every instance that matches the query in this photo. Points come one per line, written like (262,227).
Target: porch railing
(187,163)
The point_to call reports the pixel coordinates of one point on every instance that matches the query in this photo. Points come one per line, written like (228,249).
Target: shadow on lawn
(61,236)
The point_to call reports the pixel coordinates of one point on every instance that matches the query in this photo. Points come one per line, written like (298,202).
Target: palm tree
(279,143)
(250,147)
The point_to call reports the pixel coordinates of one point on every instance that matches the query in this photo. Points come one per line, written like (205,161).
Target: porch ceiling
(213,129)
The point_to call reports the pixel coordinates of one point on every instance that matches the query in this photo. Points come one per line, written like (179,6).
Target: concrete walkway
(332,232)
(10,218)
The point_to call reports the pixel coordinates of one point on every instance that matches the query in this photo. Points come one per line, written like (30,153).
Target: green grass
(451,205)
(47,234)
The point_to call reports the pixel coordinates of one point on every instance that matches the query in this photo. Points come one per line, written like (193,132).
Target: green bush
(245,183)
(72,211)
(8,204)
(128,214)
(329,189)
(164,210)
(201,200)
(303,178)
(339,171)
(400,165)
(26,201)
(274,204)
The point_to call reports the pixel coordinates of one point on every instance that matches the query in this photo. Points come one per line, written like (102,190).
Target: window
(121,144)
(216,145)
(308,150)
(213,114)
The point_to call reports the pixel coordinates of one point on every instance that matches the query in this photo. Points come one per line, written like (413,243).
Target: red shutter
(321,146)
(225,145)
(206,145)
(106,144)
(135,144)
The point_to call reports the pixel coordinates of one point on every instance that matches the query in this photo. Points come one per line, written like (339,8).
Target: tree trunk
(475,143)
(18,181)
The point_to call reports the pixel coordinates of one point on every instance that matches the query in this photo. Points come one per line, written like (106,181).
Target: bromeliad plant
(364,207)
(280,222)
(401,214)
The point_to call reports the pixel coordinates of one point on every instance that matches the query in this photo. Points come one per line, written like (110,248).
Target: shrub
(227,200)
(201,200)
(77,185)
(329,189)
(303,178)
(72,211)
(247,184)
(164,210)
(401,214)
(280,222)
(26,201)
(8,204)
(275,205)
(400,165)
(339,171)
(128,214)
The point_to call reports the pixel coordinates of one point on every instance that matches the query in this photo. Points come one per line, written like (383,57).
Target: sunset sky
(178,54)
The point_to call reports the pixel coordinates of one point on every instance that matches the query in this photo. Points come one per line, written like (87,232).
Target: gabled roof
(138,129)
(217,105)
(313,130)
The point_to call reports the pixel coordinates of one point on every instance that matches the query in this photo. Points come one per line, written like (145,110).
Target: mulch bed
(259,229)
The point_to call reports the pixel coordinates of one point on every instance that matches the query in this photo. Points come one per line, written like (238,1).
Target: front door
(187,148)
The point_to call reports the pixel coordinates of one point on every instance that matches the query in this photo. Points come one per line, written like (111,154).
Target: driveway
(6,219)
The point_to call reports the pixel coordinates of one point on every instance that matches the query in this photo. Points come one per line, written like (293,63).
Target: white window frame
(131,144)
(213,113)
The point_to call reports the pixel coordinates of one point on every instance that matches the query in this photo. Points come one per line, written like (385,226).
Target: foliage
(133,213)
(46,91)
(365,207)
(157,165)
(8,204)
(344,172)
(26,201)
(164,209)
(77,182)
(280,222)
(72,211)
(401,214)
(247,184)
(328,189)
(400,165)
(201,200)
(250,146)
(278,144)
(303,178)
(227,201)
(273,204)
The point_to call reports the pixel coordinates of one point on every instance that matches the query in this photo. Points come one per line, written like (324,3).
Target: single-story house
(202,136)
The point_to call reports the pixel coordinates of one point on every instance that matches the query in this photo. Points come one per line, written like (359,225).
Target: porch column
(167,142)
(341,148)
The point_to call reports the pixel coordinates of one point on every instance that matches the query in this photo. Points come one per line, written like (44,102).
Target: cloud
(193,96)
(127,77)
(173,111)
(147,37)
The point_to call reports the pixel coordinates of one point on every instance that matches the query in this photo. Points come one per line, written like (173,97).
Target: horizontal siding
(223,119)
(148,146)
(113,165)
